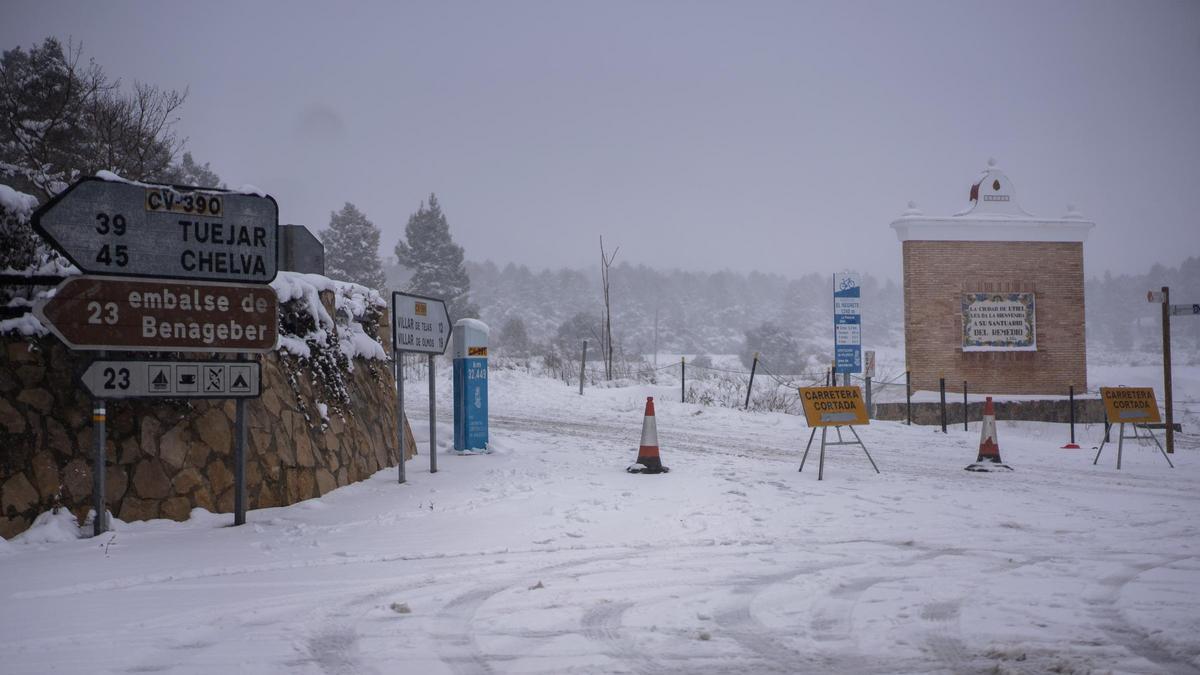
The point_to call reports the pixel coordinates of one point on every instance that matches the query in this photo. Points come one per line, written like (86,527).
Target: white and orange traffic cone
(989,449)
(648,460)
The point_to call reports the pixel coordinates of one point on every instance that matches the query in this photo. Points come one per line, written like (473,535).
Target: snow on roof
(474,323)
(992,215)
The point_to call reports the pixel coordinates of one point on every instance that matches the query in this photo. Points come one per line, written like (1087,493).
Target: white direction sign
(173,379)
(143,230)
(419,324)
(1186,310)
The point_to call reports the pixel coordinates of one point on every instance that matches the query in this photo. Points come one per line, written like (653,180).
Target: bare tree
(607,348)
(61,118)
(132,134)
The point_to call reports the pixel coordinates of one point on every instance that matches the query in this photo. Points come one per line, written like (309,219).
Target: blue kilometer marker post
(470,386)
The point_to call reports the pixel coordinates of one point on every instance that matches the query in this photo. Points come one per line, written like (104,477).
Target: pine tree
(513,338)
(352,248)
(190,172)
(436,261)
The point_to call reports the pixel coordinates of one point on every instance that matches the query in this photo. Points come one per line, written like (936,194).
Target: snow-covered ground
(547,557)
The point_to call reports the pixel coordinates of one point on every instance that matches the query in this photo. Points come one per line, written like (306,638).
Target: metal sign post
(99,468)
(162,231)
(1169,310)
(239,460)
(432,419)
(421,325)
(399,368)
(1166,339)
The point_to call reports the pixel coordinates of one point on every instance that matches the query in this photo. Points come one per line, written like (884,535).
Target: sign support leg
(1101,448)
(99,468)
(864,447)
(239,461)
(806,447)
(1121,443)
(1160,448)
(821,465)
(432,419)
(399,368)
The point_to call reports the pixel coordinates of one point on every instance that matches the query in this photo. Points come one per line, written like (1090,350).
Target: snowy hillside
(546,557)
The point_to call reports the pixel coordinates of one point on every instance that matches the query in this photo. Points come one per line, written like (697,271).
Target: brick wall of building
(937,273)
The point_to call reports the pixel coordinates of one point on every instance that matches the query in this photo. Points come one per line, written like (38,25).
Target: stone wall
(1087,411)
(167,457)
(938,273)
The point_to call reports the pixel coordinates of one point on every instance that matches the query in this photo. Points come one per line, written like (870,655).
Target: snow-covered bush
(325,345)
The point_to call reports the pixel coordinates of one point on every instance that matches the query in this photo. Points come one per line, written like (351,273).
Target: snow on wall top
(351,302)
(993,214)
(246,189)
(17,202)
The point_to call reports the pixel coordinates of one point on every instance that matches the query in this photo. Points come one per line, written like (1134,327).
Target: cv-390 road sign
(173,379)
(142,230)
(170,316)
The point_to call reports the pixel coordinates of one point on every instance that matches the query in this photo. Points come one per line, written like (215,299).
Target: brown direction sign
(90,312)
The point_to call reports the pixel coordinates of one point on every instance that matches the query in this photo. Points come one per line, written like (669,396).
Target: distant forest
(710,312)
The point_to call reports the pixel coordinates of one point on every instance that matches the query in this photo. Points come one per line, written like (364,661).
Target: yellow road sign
(1129,405)
(833,406)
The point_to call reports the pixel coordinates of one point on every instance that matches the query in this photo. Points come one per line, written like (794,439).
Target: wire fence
(760,388)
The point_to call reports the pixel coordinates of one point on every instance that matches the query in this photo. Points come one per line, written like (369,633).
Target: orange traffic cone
(648,460)
(989,449)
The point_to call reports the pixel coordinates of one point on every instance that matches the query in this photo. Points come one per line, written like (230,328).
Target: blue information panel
(470,404)
(847,323)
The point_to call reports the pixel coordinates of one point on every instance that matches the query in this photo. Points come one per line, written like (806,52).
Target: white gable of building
(992,215)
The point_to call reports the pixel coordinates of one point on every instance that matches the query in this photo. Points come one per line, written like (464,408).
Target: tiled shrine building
(994,296)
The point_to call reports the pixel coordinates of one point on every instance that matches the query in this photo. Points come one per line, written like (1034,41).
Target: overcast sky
(781,137)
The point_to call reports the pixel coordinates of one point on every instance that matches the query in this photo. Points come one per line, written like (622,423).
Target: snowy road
(546,557)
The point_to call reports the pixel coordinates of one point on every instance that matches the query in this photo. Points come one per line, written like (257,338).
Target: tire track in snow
(945,635)
(738,622)
(457,645)
(1127,635)
(602,624)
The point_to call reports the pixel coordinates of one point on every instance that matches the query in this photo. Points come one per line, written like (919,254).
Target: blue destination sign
(847,323)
